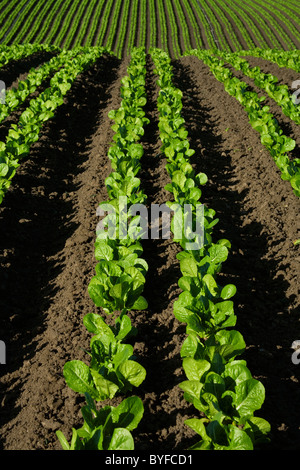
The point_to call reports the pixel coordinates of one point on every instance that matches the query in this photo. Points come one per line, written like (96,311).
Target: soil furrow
(259,214)
(160,334)
(47,231)
(285,75)
(47,249)
(289,127)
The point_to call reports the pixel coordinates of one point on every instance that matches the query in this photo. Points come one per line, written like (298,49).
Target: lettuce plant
(116,287)
(113,368)
(260,118)
(21,136)
(108,428)
(219,385)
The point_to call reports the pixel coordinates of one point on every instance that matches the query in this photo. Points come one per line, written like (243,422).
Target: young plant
(218,385)
(106,429)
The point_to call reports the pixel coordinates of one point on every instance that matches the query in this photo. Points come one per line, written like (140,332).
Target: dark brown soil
(260,216)
(285,77)
(47,231)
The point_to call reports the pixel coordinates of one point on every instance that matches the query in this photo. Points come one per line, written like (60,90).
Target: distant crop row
(116,288)
(66,64)
(173,25)
(218,384)
(21,136)
(260,118)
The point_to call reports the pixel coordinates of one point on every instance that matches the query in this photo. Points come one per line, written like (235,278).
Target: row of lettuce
(65,65)
(261,119)
(21,136)
(116,288)
(15,97)
(267,82)
(219,385)
(9,53)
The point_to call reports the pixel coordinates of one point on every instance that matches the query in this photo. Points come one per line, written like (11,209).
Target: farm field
(181,100)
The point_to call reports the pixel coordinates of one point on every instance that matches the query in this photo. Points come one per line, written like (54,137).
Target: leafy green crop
(260,118)
(106,429)
(21,136)
(116,287)
(268,82)
(112,368)
(16,96)
(219,385)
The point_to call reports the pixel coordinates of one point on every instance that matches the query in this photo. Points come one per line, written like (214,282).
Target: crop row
(260,118)
(288,59)
(163,25)
(216,27)
(204,21)
(65,28)
(104,21)
(112,32)
(17,52)
(153,27)
(95,24)
(34,79)
(133,26)
(11,20)
(123,29)
(116,287)
(22,135)
(6,7)
(20,28)
(228,27)
(194,24)
(45,24)
(289,25)
(271,20)
(267,82)
(78,23)
(245,25)
(59,13)
(262,26)
(173,28)
(66,23)
(183,26)
(219,385)
(84,23)
(288,10)
(35,26)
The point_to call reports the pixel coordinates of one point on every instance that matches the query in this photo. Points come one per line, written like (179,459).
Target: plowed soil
(47,232)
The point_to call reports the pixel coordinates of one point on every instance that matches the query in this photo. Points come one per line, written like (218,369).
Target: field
(153,100)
